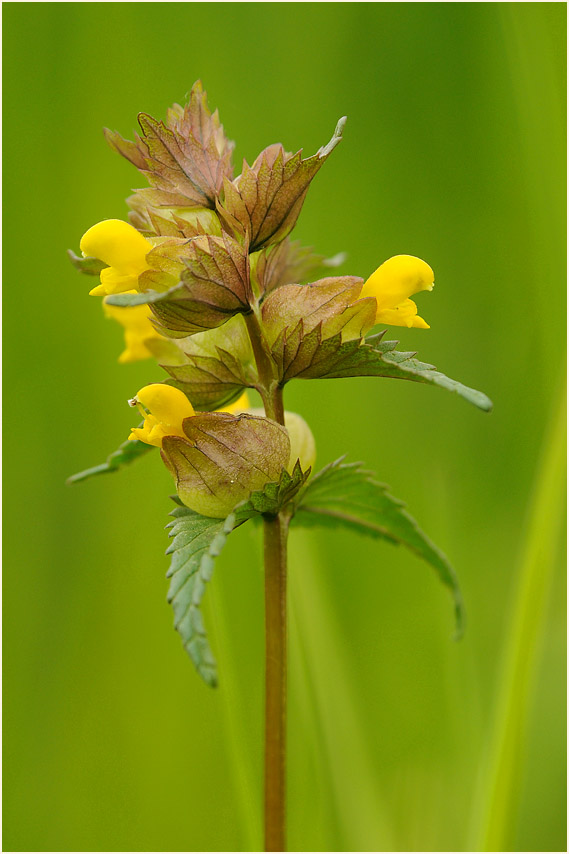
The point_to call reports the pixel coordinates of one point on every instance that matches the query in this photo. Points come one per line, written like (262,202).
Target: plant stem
(275,532)
(269,387)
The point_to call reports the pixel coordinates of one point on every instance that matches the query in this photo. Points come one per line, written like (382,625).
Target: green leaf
(377,358)
(218,365)
(197,541)
(273,496)
(88,266)
(344,494)
(125,454)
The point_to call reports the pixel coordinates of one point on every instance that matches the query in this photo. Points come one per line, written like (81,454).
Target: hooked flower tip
(123,248)
(393,283)
(167,407)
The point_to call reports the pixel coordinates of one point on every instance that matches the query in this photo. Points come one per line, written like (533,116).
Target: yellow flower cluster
(124,249)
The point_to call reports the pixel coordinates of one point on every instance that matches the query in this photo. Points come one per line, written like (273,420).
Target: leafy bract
(271,499)
(264,202)
(298,319)
(125,454)
(184,160)
(193,285)
(345,495)
(219,364)
(89,266)
(224,458)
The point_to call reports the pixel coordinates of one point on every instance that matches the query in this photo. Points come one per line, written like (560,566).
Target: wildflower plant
(205,279)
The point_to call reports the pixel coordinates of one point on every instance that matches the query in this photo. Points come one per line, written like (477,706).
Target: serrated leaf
(299,319)
(125,454)
(378,358)
(346,495)
(275,495)
(197,541)
(208,382)
(264,202)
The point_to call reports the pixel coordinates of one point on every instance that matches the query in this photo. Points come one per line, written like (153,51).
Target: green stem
(269,387)
(275,531)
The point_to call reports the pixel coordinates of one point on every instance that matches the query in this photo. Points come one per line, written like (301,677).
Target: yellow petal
(118,244)
(138,330)
(169,405)
(98,291)
(397,279)
(239,405)
(115,282)
(402,315)
(419,323)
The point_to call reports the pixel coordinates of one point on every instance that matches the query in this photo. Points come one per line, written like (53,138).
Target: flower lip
(123,248)
(392,285)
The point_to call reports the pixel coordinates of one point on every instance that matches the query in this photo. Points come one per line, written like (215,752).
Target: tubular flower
(167,407)
(393,283)
(138,330)
(123,248)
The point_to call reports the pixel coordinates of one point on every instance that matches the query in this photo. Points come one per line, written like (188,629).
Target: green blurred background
(454,151)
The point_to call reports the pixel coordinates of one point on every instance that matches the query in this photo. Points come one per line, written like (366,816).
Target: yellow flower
(167,407)
(393,283)
(138,330)
(123,248)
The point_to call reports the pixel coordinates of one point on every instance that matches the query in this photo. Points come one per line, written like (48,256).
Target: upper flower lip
(123,248)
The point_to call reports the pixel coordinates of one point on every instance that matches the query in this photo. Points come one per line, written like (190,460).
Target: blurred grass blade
(502,783)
